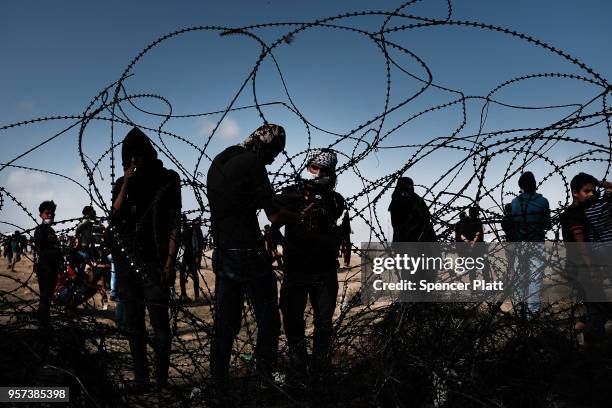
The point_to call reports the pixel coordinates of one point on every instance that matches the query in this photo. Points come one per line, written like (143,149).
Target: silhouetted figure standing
(49,259)
(588,220)
(470,232)
(410,215)
(18,248)
(146,216)
(531,216)
(85,230)
(237,186)
(310,256)
(8,251)
(470,229)
(191,238)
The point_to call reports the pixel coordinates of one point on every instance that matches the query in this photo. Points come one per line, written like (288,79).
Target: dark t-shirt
(192,241)
(312,245)
(150,211)
(573,218)
(237,186)
(47,247)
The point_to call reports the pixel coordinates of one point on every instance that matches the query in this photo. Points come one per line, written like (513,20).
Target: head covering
(136,143)
(269,135)
(527,182)
(404,184)
(325,158)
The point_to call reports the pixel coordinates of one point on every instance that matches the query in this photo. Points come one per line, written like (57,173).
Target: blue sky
(58,56)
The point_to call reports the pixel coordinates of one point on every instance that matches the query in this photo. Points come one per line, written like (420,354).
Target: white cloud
(32,188)
(228,129)
(28,187)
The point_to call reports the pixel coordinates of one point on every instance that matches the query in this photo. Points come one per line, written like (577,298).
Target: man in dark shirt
(470,229)
(310,256)
(146,218)
(190,240)
(577,229)
(17,243)
(410,216)
(237,187)
(48,259)
(8,251)
(89,234)
(470,233)
(85,230)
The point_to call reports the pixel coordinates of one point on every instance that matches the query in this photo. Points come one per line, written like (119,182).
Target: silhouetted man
(310,254)
(587,220)
(49,259)
(411,223)
(410,216)
(238,186)
(470,232)
(146,217)
(191,238)
(531,216)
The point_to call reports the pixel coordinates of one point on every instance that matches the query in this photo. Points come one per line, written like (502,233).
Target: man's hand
(605,184)
(128,173)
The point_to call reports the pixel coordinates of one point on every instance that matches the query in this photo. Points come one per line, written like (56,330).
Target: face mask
(318,182)
(48,221)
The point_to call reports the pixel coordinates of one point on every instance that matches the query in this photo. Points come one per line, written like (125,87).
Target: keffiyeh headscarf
(325,158)
(270,135)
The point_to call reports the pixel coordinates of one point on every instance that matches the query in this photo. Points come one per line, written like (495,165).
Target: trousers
(229,301)
(295,292)
(189,268)
(137,293)
(46,273)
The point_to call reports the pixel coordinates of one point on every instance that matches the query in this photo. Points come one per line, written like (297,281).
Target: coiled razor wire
(382,355)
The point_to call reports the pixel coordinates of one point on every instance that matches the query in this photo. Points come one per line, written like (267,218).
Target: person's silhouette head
(527,182)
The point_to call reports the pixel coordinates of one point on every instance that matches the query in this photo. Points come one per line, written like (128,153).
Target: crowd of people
(13,247)
(135,255)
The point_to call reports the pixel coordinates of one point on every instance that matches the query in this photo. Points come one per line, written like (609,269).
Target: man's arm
(283,216)
(273,205)
(579,237)
(606,184)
